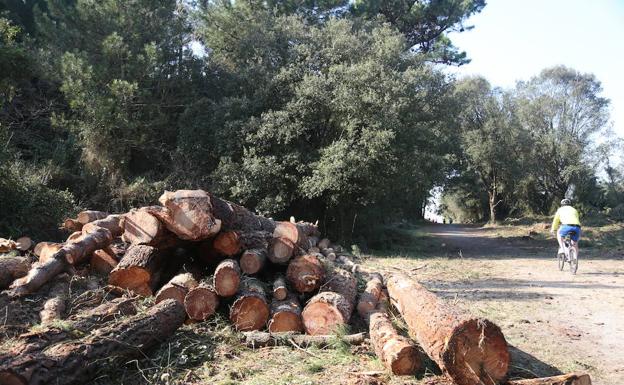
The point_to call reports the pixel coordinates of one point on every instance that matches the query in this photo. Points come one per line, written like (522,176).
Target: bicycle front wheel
(573,261)
(561,260)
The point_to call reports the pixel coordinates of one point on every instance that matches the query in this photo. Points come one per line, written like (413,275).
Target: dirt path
(557,320)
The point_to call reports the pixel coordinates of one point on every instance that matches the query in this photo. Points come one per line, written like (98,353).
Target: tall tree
(563,111)
(492,140)
(425,23)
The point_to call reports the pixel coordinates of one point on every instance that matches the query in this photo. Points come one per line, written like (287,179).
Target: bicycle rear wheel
(573,260)
(561,260)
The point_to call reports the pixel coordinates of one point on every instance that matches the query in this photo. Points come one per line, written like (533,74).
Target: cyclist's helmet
(565,202)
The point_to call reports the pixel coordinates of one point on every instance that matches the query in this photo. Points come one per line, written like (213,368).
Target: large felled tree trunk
(139,270)
(188,214)
(369,299)
(332,307)
(238,218)
(471,351)
(77,325)
(77,362)
(12,268)
(250,311)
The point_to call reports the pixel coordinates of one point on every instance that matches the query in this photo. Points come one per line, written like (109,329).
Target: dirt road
(556,321)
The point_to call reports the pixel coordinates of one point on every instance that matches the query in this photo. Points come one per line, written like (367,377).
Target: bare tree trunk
(471,351)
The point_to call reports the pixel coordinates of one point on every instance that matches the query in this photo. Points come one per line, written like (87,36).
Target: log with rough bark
(564,379)
(305,273)
(188,214)
(89,216)
(227,278)
(140,227)
(201,301)
(250,310)
(77,362)
(139,270)
(285,315)
(12,268)
(236,217)
(74,237)
(471,351)
(333,305)
(103,261)
(45,250)
(54,306)
(253,260)
(398,354)
(78,250)
(369,298)
(76,325)
(280,250)
(111,222)
(38,275)
(280,291)
(176,288)
(262,339)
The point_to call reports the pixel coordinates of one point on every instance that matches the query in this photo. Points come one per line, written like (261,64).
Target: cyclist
(568,218)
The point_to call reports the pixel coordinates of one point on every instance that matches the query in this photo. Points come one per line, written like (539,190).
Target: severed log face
(188,214)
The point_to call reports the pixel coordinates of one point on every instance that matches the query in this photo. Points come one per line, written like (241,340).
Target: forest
(338,111)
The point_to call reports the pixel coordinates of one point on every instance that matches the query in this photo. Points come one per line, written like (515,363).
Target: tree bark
(188,214)
(79,324)
(285,315)
(262,339)
(280,291)
(201,301)
(250,311)
(177,288)
(236,217)
(77,362)
(138,271)
(305,273)
(564,379)
(370,297)
(471,351)
(332,307)
(253,260)
(227,278)
(12,268)
(112,222)
(38,275)
(54,306)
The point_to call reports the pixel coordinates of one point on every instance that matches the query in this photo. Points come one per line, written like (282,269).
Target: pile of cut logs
(195,253)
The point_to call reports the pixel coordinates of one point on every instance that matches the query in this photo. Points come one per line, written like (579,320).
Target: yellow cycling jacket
(566,215)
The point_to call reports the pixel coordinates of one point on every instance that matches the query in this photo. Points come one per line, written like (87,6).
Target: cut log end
(405,359)
(227,278)
(133,278)
(469,356)
(280,250)
(322,318)
(252,261)
(285,322)
(201,302)
(249,313)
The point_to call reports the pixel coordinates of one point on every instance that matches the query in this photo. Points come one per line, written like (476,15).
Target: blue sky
(515,39)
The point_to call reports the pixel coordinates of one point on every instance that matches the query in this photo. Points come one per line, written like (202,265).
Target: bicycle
(569,254)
